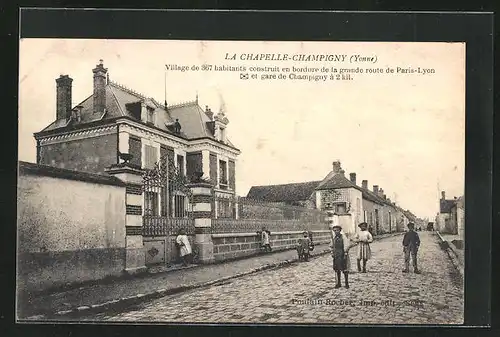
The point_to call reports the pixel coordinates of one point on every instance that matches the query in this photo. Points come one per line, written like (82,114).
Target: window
(180,164)
(150,116)
(150,156)
(340,208)
(224,209)
(151,203)
(180,206)
(223,173)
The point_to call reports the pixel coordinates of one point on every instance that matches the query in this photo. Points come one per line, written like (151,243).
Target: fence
(161,226)
(240,215)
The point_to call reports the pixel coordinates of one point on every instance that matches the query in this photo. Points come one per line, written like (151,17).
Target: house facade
(116,124)
(446,219)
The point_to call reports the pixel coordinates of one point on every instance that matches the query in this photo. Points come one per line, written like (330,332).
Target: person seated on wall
(304,247)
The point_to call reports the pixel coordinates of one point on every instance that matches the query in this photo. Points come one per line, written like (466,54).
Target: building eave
(68,130)
(216,143)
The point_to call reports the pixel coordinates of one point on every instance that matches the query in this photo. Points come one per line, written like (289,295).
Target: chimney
(443,195)
(381,192)
(209,112)
(352,177)
(63,103)
(364,184)
(336,167)
(375,189)
(99,87)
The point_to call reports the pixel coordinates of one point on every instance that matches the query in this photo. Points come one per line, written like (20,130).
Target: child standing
(364,238)
(339,246)
(411,244)
(304,247)
(265,234)
(184,247)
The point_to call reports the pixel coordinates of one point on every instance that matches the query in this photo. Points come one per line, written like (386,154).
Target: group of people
(340,245)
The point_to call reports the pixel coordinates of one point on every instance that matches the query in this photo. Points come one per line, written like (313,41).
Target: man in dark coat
(411,244)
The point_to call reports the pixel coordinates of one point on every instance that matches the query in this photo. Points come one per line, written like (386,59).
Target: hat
(336,226)
(305,232)
(363,224)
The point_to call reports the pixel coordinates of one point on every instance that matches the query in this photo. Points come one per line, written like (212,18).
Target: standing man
(411,244)
(364,238)
(339,246)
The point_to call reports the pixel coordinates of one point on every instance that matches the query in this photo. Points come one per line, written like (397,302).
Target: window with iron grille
(150,203)
(180,206)
(150,156)
(224,209)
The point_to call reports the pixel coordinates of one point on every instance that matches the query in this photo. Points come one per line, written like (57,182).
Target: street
(305,293)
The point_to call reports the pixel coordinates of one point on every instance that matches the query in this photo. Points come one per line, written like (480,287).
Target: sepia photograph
(253,182)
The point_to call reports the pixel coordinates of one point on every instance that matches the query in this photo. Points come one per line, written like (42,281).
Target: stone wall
(229,246)
(71,227)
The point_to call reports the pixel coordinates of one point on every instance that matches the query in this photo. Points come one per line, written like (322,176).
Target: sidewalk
(101,297)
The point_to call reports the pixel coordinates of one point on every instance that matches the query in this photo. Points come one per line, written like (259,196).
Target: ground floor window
(151,203)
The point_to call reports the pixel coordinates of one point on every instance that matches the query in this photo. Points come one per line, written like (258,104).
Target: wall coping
(232,235)
(26,168)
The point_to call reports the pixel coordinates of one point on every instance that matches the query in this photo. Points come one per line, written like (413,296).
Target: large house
(352,203)
(116,124)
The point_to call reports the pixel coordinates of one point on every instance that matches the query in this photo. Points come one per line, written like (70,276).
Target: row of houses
(352,203)
(451,216)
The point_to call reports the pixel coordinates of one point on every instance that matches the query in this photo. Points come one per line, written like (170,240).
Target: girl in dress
(184,247)
(364,238)
(339,246)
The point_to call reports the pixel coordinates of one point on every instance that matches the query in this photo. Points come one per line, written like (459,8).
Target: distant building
(352,203)
(445,220)
(293,194)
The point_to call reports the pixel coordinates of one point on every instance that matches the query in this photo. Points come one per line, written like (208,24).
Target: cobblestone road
(305,293)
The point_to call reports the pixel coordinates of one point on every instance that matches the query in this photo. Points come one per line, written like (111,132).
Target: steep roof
(283,192)
(119,101)
(446,205)
(336,180)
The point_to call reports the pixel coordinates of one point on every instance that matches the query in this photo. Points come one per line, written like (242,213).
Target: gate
(167,209)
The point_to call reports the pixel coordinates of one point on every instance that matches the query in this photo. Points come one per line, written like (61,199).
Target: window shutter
(135,150)
(232,175)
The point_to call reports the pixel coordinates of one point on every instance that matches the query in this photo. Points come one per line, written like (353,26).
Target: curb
(165,292)
(452,254)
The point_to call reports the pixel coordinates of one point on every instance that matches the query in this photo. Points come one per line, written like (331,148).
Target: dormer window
(222,135)
(150,116)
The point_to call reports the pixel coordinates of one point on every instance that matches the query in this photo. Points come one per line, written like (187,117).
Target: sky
(403,132)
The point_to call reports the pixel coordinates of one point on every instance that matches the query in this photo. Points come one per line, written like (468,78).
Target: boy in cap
(364,238)
(411,243)
(339,246)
